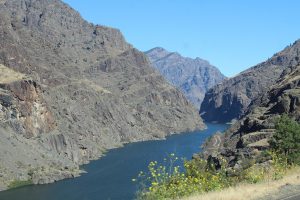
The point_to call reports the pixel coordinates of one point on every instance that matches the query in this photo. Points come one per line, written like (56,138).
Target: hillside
(192,76)
(69,90)
(231,99)
(249,136)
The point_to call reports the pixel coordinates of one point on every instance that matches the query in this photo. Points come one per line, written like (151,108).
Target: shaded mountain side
(248,137)
(231,99)
(192,76)
(70,89)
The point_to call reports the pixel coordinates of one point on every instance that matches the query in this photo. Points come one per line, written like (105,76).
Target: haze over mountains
(192,76)
(71,89)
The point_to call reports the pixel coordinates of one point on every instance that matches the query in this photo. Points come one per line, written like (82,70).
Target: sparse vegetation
(19,183)
(8,75)
(246,191)
(170,181)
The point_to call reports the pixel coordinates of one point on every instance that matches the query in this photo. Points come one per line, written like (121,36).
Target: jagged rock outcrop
(192,76)
(22,106)
(231,98)
(248,137)
(70,89)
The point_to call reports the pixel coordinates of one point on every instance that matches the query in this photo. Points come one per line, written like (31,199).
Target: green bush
(286,140)
(279,166)
(253,174)
(169,181)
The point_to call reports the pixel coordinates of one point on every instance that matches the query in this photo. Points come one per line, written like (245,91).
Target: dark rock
(231,98)
(214,162)
(77,89)
(249,136)
(25,108)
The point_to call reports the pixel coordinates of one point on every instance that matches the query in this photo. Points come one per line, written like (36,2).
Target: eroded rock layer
(230,99)
(70,89)
(249,137)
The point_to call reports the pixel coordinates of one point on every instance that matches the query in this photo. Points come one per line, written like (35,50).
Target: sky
(232,35)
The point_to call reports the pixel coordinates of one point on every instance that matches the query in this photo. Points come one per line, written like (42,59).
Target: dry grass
(94,86)
(261,143)
(8,75)
(251,191)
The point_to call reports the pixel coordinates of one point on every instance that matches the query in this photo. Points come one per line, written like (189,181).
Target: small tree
(286,139)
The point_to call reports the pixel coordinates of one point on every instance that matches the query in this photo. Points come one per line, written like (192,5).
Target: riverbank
(261,191)
(106,174)
(51,172)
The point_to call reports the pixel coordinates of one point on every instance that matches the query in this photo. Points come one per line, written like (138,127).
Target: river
(111,176)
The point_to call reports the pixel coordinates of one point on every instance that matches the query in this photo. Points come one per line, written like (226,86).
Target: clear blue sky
(231,34)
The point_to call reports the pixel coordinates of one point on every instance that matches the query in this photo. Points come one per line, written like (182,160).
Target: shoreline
(49,178)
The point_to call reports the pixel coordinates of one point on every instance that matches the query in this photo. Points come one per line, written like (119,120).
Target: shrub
(279,166)
(162,181)
(254,174)
(286,139)
(169,181)
(261,172)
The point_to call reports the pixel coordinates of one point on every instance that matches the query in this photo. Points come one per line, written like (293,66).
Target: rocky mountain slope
(231,99)
(248,137)
(192,76)
(70,89)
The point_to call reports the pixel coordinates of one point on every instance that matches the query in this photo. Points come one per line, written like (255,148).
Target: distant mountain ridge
(192,76)
(230,100)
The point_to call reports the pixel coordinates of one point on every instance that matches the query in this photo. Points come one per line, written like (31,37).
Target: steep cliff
(192,76)
(70,89)
(249,136)
(231,99)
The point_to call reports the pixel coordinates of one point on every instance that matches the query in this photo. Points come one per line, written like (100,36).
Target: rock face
(192,76)
(250,135)
(70,89)
(23,107)
(231,99)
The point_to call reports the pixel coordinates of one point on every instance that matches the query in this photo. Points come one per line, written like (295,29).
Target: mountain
(231,99)
(69,90)
(248,137)
(192,76)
